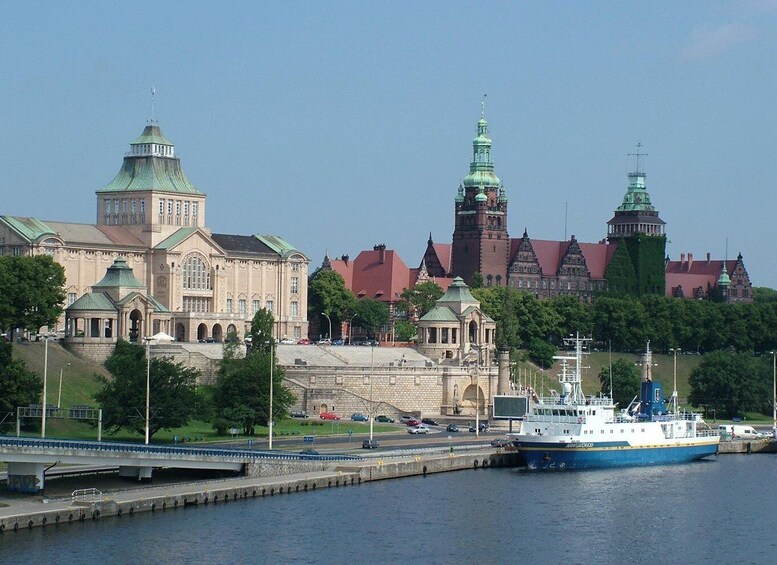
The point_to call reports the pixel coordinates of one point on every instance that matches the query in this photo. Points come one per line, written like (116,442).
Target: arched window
(196,273)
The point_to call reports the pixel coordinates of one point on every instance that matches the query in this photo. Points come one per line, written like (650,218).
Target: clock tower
(480,240)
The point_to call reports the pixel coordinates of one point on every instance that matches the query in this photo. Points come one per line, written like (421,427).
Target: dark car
(370,444)
(309,451)
(384,418)
(483,428)
(500,442)
(302,414)
(452,428)
(359,417)
(429,422)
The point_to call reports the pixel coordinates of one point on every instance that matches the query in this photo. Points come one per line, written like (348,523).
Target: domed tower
(151,194)
(481,243)
(637,228)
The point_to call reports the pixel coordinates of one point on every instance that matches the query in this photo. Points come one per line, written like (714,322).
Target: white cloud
(709,41)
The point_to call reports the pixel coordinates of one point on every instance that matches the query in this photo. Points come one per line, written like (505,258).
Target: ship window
(612,431)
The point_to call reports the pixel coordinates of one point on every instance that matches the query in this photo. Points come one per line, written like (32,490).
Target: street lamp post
(372,406)
(350,325)
(774,395)
(148,385)
(269,427)
(45,381)
(59,394)
(330,323)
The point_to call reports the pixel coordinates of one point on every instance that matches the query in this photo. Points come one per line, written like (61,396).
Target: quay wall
(288,478)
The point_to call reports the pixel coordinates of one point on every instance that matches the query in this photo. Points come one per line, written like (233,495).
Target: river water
(718,511)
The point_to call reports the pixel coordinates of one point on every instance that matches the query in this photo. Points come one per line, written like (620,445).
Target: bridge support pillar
(135,473)
(25,477)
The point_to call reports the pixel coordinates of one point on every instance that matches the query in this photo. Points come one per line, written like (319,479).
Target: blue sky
(341,125)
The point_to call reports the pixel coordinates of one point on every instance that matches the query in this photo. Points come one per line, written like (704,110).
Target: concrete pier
(22,514)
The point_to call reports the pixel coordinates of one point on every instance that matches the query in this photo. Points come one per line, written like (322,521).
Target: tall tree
(242,392)
(174,400)
(371,314)
(32,291)
(420,298)
(625,381)
(327,294)
(18,386)
(732,383)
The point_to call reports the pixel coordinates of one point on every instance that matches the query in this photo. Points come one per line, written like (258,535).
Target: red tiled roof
(694,274)
(367,277)
(443,251)
(550,253)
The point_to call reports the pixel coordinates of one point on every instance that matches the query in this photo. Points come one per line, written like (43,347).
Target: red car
(303,341)
(413,422)
(329,416)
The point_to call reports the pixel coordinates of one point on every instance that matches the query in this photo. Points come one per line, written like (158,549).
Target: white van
(733,431)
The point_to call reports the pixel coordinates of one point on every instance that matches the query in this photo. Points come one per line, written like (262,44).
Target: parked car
(500,442)
(309,451)
(418,429)
(338,342)
(301,414)
(405,419)
(483,428)
(329,416)
(370,444)
(429,422)
(384,418)
(325,341)
(288,341)
(303,341)
(413,422)
(359,417)
(452,428)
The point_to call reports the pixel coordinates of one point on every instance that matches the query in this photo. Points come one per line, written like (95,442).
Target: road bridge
(28,458)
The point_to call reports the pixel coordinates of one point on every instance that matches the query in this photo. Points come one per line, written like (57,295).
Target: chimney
(381,248)
(708,258)
(690,260)
(682,261)
(345,259)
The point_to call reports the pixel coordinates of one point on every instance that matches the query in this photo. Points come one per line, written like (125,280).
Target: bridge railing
(180,452)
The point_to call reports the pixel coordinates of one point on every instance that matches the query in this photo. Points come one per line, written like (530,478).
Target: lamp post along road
(372,406)
(45,380)
(774,394)
(272,344)
(148,384)
(330,323)
(674,385)
(59,394)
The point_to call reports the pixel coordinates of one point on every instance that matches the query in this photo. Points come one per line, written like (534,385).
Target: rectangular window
(71,297)
(133,208)
(177,207)
(255,306)
(169,207)
(268,305)
(295,267)
(161,207)
(294,285)
(297,332)
(142,207)
(229,305)
(186,208)
(241,306)
(194,209)
(123,206)
(115,206)
(294,311)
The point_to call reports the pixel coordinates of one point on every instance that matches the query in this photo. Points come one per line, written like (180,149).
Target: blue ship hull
(607,455)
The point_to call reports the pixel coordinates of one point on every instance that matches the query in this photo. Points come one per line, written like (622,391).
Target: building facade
(153,218)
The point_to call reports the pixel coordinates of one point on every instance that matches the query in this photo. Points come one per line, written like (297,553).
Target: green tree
(31,292)
(732,383)
(405,331)
(574,317)
(762,294)
(18,386)
(174,398)
(419,299)
(625,381)
(477,280)
(327,294)
(371,314)
(242,392)
(541,352)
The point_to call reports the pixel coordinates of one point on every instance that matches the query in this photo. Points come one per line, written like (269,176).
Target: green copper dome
(481,169)
(460,194)
(481,195)
(119,275)
(636,198)
(724,279)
